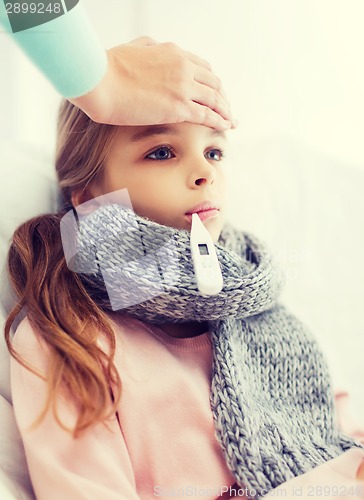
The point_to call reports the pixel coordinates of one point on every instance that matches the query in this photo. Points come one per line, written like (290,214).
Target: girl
(127,383)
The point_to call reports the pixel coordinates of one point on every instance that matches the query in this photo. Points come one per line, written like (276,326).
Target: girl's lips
(204,214)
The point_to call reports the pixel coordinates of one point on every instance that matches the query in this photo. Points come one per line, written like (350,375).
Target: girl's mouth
(204,214)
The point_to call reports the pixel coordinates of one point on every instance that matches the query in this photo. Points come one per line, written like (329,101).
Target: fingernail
(226,125)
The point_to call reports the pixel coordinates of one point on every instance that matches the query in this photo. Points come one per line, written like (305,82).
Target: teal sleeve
(65,49)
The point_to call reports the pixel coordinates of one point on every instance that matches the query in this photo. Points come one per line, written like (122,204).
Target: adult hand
(348,422)
(360,472)
(149,83)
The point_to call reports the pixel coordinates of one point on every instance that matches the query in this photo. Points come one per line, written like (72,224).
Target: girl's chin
(214,227)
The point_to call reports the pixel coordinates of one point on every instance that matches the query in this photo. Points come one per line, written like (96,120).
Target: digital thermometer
(205,262)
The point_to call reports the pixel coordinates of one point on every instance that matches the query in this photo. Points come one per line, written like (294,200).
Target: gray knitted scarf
(271,394)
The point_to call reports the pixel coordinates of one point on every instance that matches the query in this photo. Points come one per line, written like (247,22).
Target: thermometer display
(203,249)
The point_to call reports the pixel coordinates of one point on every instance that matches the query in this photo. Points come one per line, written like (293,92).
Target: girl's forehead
(138,134)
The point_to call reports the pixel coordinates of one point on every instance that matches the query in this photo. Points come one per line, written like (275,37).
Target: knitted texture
(271,394)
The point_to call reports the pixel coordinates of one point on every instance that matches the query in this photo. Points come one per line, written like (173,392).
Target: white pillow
(28,188)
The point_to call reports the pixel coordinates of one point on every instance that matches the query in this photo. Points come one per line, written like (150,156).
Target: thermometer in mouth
(205,262)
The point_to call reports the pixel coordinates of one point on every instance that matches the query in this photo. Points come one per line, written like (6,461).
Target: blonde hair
(55,301)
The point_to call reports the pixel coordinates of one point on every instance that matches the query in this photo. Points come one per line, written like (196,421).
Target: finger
(224,95)
(234,121)
(143,41)
(202,94)
(196,59)
(202,115)
(206,77)
(211,80)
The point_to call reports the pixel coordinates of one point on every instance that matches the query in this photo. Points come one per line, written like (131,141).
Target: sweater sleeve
(95,465)
(66,50)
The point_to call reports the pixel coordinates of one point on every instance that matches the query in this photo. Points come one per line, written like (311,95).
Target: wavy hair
(54,299)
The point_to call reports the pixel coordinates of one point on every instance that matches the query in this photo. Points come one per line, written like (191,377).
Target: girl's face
(168,169)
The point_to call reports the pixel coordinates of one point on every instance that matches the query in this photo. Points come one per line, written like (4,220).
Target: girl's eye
(214,154)
(161,153)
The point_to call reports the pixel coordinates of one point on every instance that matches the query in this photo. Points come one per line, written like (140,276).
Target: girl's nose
(201,173)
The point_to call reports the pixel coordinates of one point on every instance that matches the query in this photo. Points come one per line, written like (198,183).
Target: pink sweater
(163,444)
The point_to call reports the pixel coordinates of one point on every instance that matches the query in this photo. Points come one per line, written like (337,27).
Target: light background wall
(294,73)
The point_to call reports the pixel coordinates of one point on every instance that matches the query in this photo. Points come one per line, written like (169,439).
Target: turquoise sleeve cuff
(65,49)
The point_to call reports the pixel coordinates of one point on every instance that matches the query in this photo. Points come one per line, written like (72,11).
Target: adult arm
(95,465)
(65,49)
(139,83)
